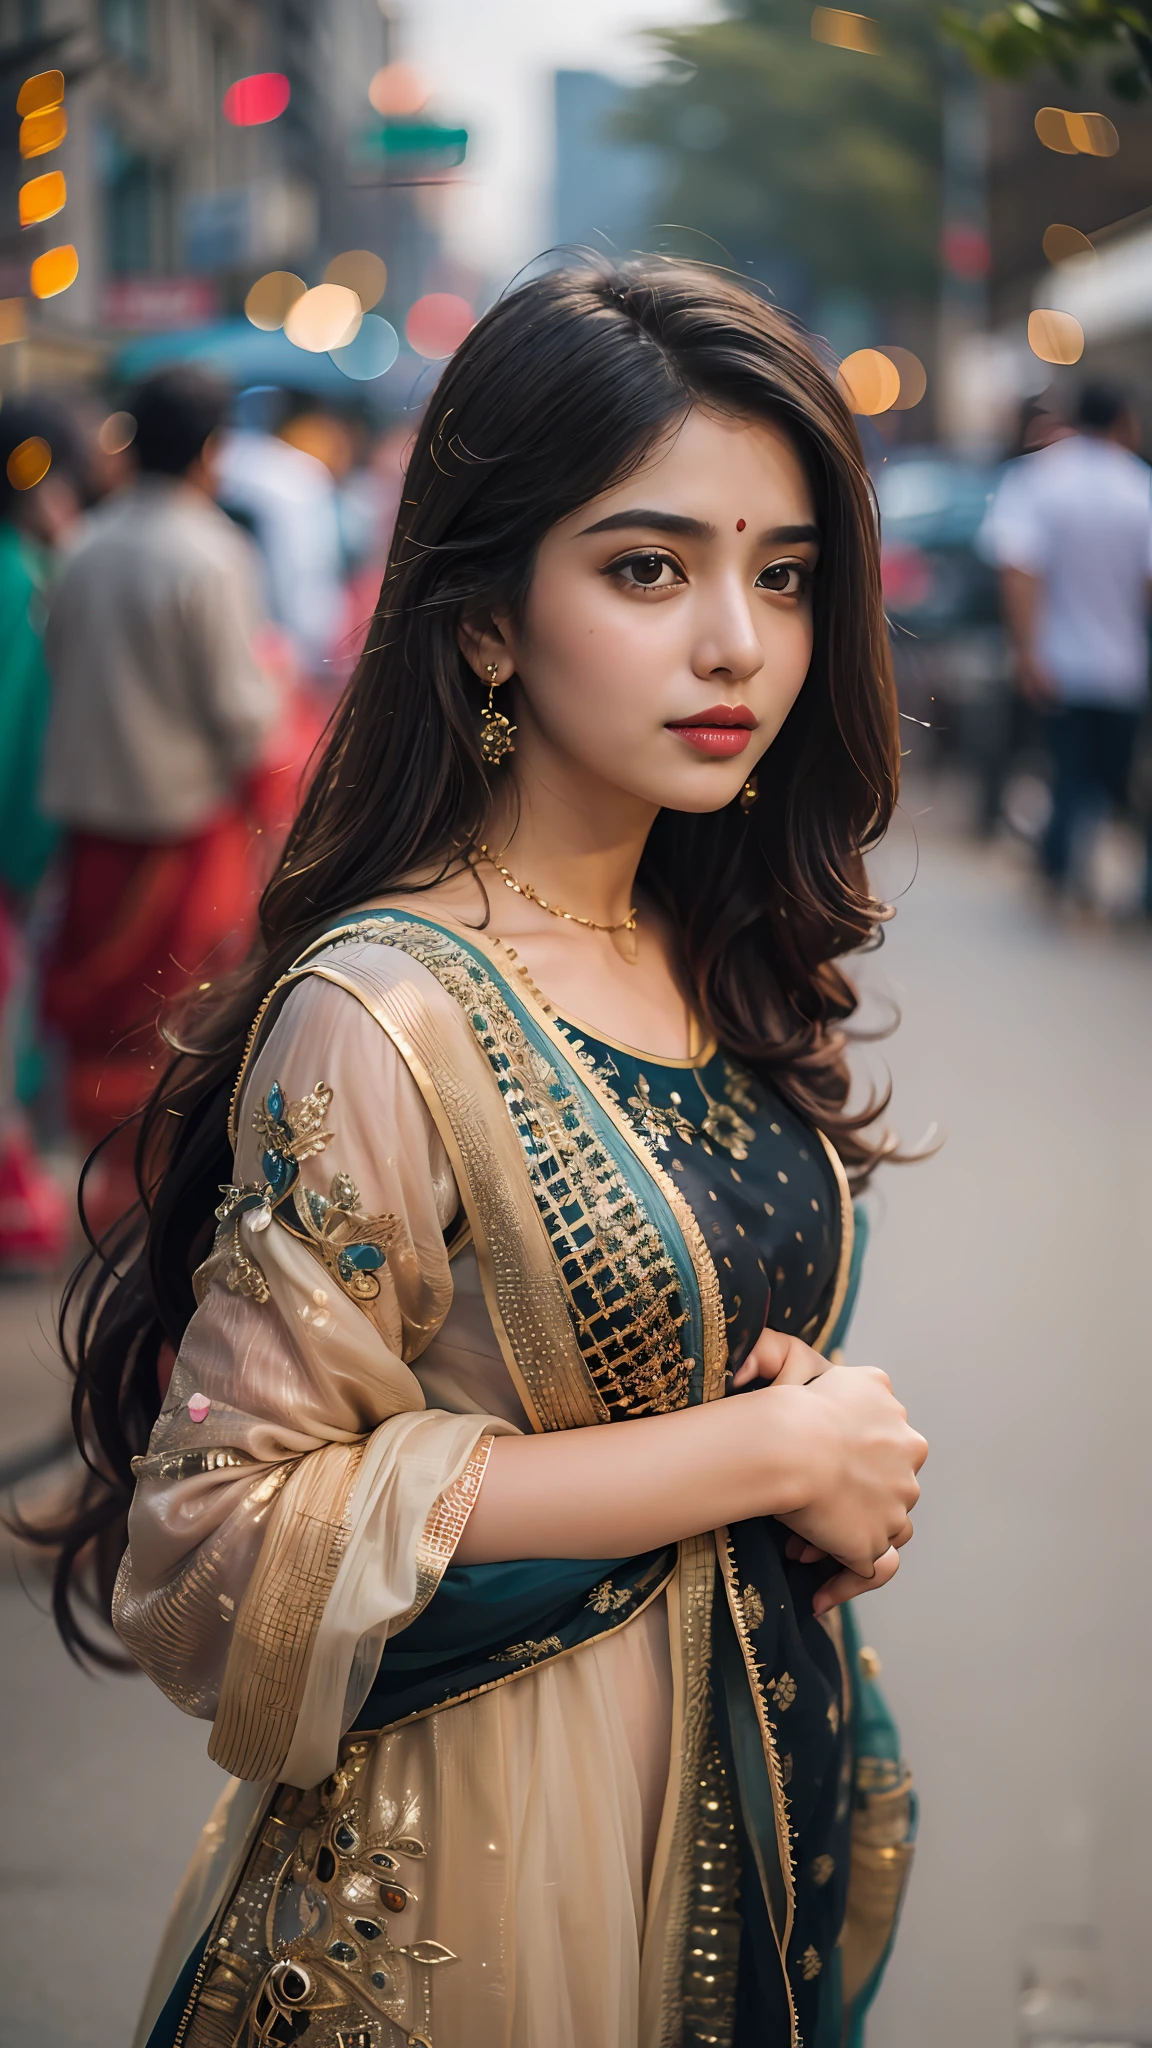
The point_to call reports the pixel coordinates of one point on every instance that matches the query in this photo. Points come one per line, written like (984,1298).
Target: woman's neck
(579,848)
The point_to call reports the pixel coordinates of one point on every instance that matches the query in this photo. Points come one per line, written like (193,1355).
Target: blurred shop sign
(140,305)
(263,222)
(411,149)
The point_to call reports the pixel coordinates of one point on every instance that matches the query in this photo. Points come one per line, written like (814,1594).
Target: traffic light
(43,126)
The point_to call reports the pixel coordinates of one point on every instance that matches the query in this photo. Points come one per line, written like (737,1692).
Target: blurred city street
(1002,1285)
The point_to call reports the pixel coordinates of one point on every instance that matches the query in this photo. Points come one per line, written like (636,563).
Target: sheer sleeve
(299,1502)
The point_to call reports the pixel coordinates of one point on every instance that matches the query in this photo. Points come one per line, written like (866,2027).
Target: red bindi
(740,525)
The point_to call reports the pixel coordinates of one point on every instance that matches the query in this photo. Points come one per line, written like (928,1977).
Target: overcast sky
(491,63)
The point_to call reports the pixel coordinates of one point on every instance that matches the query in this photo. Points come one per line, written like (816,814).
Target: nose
(727,646)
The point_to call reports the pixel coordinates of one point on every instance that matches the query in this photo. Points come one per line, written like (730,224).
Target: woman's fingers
(847,1584)
(801,1552)
(780,1360)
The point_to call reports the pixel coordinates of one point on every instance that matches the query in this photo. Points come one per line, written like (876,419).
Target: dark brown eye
(646,568)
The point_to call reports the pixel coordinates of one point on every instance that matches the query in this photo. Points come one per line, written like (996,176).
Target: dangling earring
(749,793)
(495,730)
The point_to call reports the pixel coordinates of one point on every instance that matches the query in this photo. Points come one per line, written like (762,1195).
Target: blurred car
(949,649)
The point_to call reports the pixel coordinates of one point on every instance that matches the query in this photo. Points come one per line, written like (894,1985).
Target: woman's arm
(835,1457)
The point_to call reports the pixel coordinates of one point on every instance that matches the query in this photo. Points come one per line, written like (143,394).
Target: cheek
(585,653)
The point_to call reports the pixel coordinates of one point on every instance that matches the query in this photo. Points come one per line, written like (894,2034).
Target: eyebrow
(694,529)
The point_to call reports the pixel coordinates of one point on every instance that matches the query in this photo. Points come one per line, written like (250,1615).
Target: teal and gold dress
(643,1802)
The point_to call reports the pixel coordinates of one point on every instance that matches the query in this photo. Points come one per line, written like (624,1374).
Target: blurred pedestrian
(1071,532)
(286,498)
(159,722)
(41,484)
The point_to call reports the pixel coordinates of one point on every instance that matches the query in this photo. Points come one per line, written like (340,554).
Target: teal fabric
(767,1202)
(27,838)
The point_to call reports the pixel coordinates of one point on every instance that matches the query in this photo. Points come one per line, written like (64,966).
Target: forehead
(717,467)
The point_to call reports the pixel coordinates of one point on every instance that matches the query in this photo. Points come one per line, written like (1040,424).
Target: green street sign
(398,140)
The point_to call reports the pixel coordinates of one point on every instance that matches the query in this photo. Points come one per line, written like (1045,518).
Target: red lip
(721,731)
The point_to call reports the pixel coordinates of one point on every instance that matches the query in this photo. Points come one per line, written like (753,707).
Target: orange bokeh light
(438,323)
(399,89)
(46,89)
(327,317)
(29,463)
(41,197)
(1055,337)
(54,271)
(41,132)
(870,381)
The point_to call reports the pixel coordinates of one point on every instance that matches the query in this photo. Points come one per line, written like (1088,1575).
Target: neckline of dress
(565,1022)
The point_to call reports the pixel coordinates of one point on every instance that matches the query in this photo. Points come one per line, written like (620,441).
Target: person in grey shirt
(1071,533)
(159,722)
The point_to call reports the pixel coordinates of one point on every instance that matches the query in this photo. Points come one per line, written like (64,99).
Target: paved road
(1003,1295)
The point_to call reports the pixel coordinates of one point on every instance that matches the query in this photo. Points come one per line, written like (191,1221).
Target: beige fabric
(541,1800)
(158,705)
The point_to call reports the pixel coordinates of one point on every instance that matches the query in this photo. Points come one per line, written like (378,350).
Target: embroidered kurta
(501,1858)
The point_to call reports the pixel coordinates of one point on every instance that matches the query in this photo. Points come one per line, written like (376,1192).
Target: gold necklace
(525,889)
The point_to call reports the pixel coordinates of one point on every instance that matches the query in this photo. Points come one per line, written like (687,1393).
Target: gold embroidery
(529,1652)
(725,1126)
(822,1869)
(713,1944)
(312,1927)
(443,1530)
(606,1597)
(783,1690)
(753,1607)
(280,1613)
(738,1089)
(810,1964)
(622,1289)
(353,1246)
(655,1122)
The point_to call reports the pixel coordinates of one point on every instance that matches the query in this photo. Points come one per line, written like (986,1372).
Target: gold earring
(495,730)
(749,793)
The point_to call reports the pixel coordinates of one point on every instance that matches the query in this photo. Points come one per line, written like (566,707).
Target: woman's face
(668,627)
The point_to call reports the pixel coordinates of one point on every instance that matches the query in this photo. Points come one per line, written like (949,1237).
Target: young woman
(530,1118)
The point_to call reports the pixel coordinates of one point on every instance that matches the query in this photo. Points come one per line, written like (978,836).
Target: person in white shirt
(1071,533)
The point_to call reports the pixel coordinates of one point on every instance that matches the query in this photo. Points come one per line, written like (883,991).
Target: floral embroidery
(527,1653)
(352,1245)
(753,1607)
(810,1964)
(725,1126)
(606,1597)
(738,1089)
(655,1123)
(783,1690)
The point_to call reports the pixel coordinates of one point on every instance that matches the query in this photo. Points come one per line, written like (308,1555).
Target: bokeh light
(327,317)
(913,377)
(46,89)
(1055,337)
(117,433)
(41,197)
(13,320)
(54,271)
(252,101)
(372,352)
(272,298)
(869,381)
(324,437)
(41,132)
(438,323)
(29,463)
(846,31)
(399,89)
(966,250)
(1076,134)
(362,272)
(1061,243)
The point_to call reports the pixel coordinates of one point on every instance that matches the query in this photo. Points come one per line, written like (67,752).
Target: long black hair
(558,393)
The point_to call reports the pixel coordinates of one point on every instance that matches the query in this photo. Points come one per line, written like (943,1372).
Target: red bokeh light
(251,101)
(438,323)
(965,251)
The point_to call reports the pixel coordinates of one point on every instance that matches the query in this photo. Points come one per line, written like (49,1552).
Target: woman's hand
(786,1361)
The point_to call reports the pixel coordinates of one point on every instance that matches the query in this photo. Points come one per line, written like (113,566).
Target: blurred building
(172,208)
(607,189)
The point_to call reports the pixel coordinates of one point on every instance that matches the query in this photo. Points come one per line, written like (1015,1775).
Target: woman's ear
(485,648)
